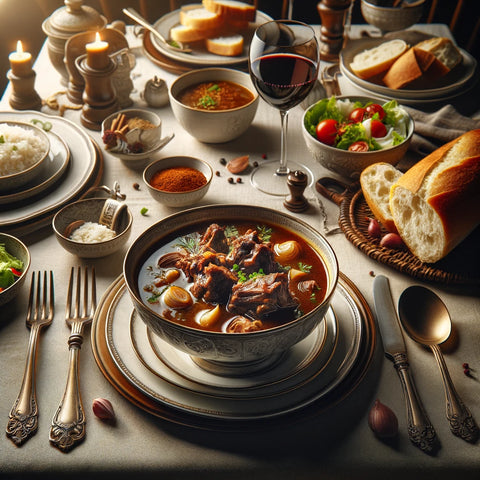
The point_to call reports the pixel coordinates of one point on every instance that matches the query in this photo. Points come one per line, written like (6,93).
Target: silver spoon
(427,321)
(177,46)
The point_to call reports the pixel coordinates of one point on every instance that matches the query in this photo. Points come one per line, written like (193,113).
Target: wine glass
(283,63)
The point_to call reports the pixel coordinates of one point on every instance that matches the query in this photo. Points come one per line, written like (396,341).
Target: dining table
(326,439)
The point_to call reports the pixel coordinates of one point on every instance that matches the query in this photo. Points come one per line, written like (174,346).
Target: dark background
(22,20)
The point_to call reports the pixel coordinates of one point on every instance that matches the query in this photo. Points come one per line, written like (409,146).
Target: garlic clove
(383,421)
(209,317)
(103,409)
(238,165)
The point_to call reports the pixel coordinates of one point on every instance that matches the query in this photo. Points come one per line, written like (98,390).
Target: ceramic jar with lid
(73,18)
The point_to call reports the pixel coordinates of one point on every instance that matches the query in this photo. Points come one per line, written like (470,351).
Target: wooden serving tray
(461,267)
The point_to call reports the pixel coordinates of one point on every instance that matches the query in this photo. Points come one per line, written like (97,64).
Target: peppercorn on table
(334,442)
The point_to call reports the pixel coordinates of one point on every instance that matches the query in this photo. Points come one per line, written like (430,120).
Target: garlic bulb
(287,251)
(177,298)
(382,420)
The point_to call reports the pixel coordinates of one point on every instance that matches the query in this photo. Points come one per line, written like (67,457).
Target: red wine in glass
(283,63)
(283,80)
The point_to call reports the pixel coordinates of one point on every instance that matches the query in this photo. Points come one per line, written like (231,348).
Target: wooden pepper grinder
(332,14)
(296,182)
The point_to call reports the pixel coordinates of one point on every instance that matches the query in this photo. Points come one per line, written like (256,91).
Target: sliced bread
(376,181)
(230,46)
(198,17)
(379,59)
(443,49)
(436,203)
(232,9)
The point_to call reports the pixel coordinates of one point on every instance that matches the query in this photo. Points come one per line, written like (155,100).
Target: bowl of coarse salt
(79,229)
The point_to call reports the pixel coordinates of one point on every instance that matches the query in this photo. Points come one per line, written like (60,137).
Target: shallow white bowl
(212,126)
(18,249)
(15,180)
(350,164)
(89,210)
(178,199)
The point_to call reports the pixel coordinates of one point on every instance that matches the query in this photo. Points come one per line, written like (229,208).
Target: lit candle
(97,54)
(20,61)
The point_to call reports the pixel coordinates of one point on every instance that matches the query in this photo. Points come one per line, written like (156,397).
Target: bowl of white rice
(24,149)
(88,238)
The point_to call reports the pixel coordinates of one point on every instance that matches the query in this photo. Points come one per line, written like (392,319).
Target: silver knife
(420,429)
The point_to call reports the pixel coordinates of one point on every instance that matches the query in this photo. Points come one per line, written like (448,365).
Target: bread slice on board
(376,60)
(443,49)
(376,181)
(436,203)
(230,46)
(232,9)
(196,16)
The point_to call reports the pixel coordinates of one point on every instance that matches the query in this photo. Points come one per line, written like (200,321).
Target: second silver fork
(68,424)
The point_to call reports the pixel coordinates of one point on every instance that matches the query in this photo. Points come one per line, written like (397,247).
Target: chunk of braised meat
(214,284)
(251,255)
(214,239)
(261,295)
(243,325)
(192,265)
(308,286)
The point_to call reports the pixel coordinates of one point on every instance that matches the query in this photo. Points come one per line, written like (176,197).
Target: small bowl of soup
(214,105)
(233,286)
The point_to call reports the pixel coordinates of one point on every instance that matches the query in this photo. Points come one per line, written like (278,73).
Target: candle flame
(97,37)
(19,46)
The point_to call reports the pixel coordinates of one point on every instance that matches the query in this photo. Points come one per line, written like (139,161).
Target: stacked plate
(73,166)
(179,62)
(317,372)
(448,89)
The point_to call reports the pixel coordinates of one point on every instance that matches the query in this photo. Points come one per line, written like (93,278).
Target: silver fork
(23,418)
(68,424)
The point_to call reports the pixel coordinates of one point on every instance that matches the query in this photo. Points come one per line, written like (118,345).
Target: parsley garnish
(231,231)
(190,243)
(206,102)
(304,268)
(265,233)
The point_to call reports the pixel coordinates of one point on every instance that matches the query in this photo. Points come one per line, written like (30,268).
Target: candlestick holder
(332,14)
(24,95)
(99,96)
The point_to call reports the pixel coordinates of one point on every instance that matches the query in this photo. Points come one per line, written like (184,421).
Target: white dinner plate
(83,163)
(313,369)
(446,87)
(200,56)
(55,166)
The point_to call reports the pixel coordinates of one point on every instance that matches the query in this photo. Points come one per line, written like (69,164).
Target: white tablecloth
(336,444)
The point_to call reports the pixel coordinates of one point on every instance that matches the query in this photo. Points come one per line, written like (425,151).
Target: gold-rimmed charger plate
(159,400)
(84,171)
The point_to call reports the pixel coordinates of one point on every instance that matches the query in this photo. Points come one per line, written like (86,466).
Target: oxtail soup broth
(233,278)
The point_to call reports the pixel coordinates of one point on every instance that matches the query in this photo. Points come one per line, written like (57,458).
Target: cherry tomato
(327,131)
(378,129)
(356,115)
(359,146)
(374,108)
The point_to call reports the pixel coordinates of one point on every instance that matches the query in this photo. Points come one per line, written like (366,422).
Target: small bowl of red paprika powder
(178,181)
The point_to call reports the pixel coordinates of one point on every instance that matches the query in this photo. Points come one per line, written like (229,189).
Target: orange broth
(221,95)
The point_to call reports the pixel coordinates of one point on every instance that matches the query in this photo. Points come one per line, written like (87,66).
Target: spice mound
(178,179)
(91,232)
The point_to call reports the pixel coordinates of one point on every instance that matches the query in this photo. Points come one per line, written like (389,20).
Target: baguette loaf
(414,66)
(198,17)
(376,181)
(443,49)
(377,60)
(436,203)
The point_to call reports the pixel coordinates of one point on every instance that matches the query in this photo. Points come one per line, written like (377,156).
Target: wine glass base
(266,179)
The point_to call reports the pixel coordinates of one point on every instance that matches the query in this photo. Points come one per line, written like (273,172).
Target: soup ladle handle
(462,423)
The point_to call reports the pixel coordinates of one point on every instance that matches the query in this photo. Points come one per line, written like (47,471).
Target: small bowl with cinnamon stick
(178,181)
(133,135)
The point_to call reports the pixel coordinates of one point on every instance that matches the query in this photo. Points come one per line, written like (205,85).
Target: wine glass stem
(283,169)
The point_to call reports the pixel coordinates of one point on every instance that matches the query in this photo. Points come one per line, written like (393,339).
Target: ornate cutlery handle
(461,420)
(420,429)
(23,418)
(68,424)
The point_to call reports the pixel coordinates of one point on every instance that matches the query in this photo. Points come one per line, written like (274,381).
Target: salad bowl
(347,156)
